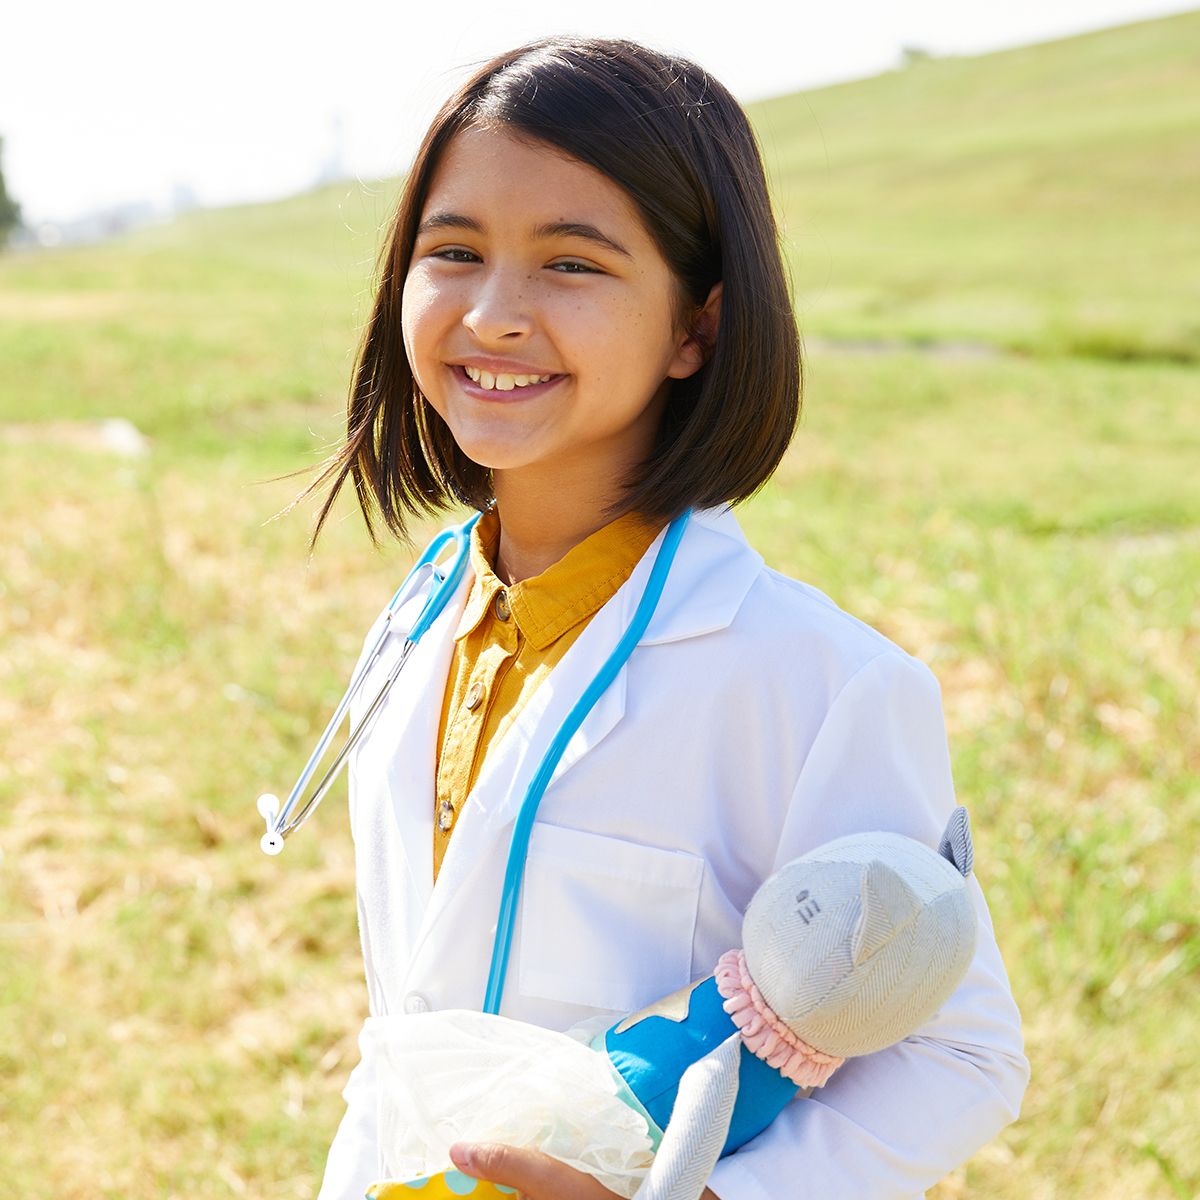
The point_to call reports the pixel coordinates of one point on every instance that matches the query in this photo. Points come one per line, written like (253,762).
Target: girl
(583,332)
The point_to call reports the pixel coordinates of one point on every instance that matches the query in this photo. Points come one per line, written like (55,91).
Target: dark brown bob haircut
(679,143)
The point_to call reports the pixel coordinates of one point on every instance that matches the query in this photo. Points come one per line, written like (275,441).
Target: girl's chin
(496,456)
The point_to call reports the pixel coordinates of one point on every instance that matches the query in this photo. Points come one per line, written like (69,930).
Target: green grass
(178,1013)
(1041,199)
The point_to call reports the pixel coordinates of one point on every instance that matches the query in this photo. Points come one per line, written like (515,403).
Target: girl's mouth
(528,392)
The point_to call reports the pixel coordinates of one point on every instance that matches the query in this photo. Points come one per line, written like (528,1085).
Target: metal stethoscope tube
(283,822)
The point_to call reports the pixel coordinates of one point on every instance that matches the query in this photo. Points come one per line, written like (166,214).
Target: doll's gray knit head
(860,942)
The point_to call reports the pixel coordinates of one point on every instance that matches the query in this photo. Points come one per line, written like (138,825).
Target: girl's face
(530,263)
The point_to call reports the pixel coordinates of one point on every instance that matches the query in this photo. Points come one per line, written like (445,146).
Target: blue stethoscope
(283,822)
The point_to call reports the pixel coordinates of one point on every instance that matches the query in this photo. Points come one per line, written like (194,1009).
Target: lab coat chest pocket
(605,922)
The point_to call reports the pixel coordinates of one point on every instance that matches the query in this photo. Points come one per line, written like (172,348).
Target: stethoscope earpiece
(268,806)
(271,843)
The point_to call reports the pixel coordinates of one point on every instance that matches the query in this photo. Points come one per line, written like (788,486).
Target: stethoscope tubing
(518,848)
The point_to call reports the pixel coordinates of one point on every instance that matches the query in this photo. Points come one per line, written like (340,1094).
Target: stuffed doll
(847,949)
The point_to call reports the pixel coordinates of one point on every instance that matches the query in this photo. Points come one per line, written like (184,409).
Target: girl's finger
(535,1175)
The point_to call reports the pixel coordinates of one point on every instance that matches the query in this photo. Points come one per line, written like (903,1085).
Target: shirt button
(474,695)
(445,816)
(502,609)
(415,1003)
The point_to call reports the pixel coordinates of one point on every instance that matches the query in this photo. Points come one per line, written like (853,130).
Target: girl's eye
(447,254)
(575,268)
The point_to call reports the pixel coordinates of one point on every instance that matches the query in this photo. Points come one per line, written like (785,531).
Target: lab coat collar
(709,579)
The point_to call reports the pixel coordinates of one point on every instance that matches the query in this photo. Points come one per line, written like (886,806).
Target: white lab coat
(754,720)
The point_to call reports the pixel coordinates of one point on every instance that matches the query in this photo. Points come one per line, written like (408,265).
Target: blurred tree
(10,210)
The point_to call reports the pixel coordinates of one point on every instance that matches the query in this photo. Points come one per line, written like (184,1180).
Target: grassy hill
(178,1014)
(1043,198)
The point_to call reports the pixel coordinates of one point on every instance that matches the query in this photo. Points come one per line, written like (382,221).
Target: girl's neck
(539,525)
(546,508)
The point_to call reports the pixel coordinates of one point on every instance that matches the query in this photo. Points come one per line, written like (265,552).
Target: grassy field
(177,1013)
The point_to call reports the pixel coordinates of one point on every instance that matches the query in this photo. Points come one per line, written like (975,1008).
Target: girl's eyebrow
(579,229)
(575,229)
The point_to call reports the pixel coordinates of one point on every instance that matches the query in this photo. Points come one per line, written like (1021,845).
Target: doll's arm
(891,1124)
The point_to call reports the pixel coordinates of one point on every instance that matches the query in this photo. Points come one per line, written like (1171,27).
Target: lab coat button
(415,1003)
(502,609)
(474,696)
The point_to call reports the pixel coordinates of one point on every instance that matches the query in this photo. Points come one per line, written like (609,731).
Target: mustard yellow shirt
(510,638)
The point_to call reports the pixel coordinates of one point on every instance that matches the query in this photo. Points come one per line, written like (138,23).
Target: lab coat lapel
(408,724)
(483,829)
(712,572)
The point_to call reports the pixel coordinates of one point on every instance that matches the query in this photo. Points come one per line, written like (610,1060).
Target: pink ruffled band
(765,1035)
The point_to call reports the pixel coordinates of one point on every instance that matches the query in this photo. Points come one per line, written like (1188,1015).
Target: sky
(244,100)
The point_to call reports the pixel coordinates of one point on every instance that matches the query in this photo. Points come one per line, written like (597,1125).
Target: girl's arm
(892,1124)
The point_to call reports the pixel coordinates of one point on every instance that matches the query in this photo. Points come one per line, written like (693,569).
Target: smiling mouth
(504,395)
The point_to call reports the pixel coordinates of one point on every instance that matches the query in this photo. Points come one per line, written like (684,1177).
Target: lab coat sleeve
(353,1161)
(352,1164)
(891,1124)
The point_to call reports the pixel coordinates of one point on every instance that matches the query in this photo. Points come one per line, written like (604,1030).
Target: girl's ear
(697,347)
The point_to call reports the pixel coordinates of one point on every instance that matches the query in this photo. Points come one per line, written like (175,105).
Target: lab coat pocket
(605,922)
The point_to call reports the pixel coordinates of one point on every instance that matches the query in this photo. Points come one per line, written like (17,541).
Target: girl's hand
(535,1175)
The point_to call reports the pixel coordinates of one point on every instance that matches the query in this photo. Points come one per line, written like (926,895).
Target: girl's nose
(499,307)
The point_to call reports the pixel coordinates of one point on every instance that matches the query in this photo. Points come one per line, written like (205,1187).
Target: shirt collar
(485,541)
(571,590)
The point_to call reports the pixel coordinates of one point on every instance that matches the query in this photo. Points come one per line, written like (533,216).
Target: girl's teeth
(503,383)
